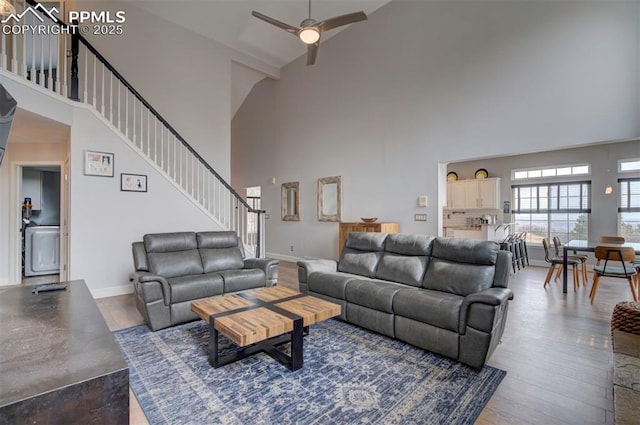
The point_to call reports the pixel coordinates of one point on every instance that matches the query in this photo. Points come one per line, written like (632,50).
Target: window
(626,165)
(552,209)
(543,172)
(629,209)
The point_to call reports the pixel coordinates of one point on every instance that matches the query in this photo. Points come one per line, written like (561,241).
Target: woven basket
(626,317)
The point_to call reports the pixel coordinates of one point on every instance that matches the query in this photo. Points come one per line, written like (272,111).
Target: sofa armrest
(306,267)
(268,265)
(148,285)
(492,297)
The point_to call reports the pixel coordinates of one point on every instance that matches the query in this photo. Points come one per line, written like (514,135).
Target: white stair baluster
(41,73)
(65,93)
(102,91)
(14,60)
(50,73)
(95,77)
(110,97)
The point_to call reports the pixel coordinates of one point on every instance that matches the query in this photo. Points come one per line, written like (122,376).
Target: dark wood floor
(556,350)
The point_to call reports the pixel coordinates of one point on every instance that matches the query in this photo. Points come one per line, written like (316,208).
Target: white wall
(105,221)
(423,83)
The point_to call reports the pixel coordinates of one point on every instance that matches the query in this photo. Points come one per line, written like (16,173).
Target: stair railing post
(75,50)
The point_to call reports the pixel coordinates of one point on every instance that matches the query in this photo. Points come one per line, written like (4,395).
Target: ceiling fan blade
(312,53)
(289,28)
(341,20)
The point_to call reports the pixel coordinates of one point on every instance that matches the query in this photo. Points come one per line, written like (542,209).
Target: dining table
(585,245)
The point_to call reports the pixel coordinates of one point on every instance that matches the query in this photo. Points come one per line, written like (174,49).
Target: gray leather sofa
(444,295)
(174,269)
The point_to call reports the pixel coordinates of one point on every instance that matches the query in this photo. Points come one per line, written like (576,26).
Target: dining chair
(557,261)
(617,263)
(609,239)
(582,258)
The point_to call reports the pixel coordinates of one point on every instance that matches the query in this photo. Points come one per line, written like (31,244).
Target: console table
(59,362)
(346,228)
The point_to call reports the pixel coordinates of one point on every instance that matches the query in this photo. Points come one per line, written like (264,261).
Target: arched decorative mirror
(330,198)
(291,201)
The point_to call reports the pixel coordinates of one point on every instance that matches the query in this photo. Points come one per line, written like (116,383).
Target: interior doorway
(39,216)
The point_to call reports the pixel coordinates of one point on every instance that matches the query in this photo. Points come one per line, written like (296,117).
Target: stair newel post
(75,49)
(259,228)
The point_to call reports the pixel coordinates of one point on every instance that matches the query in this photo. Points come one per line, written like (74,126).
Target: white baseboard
(112,291)
(283,257)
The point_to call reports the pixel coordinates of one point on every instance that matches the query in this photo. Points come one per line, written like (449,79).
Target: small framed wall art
(98,164)
(133,182)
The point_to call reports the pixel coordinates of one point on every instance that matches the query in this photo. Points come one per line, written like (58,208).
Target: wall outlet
(291,248)
(420,217)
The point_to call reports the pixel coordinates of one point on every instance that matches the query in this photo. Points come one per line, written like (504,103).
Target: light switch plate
(423,201)
(420,217)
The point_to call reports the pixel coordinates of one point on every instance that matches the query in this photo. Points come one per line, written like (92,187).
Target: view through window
(629,209)
(545,210)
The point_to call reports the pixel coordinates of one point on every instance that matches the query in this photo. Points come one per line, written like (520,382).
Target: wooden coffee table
(260,320)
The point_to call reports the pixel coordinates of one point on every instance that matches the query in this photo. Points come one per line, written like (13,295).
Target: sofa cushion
(402,268)
(239,280)
(409,244)
(374,294)
(458,278)
(330,284)
(466,250)
(218,259)
(461,266)
(189,288)
(361,253)
(169,242)
(435,308)
(226,239)
(177,263)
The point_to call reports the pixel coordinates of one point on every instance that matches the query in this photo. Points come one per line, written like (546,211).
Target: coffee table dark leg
(292,362)
(213,343)
(297,337)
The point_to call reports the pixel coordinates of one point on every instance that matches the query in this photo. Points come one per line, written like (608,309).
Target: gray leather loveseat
(174,269)
(444,295)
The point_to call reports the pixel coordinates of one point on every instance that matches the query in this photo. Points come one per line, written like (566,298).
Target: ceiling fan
(310,30)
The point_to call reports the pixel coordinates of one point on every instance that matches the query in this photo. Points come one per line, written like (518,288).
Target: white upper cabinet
(474,193)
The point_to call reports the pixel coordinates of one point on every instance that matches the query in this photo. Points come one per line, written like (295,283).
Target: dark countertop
(52,340)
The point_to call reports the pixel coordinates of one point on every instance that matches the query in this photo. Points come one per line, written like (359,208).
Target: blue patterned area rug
(350,375)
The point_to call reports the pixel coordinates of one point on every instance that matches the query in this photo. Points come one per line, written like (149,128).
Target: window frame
(550,211)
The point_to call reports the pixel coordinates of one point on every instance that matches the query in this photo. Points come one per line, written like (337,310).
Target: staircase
(41,60)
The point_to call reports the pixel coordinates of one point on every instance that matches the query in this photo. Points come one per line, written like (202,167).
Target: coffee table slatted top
(254,322)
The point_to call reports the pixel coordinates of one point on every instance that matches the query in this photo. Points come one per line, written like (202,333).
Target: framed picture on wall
(133,182)
(98,164)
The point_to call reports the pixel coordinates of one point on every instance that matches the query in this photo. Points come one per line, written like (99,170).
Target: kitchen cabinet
(474,194)
(346,228)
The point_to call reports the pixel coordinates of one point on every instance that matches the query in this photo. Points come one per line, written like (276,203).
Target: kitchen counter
(491,232)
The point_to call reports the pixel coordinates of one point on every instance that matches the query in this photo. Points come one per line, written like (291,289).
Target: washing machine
(41,250)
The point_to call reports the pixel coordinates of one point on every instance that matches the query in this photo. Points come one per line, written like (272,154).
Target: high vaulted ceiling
(230,22)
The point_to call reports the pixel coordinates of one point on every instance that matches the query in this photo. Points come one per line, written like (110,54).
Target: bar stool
(582,258)
(509,245)
(555,261)
(525,251)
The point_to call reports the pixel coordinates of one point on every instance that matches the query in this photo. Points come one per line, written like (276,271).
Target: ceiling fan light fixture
(309,35)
